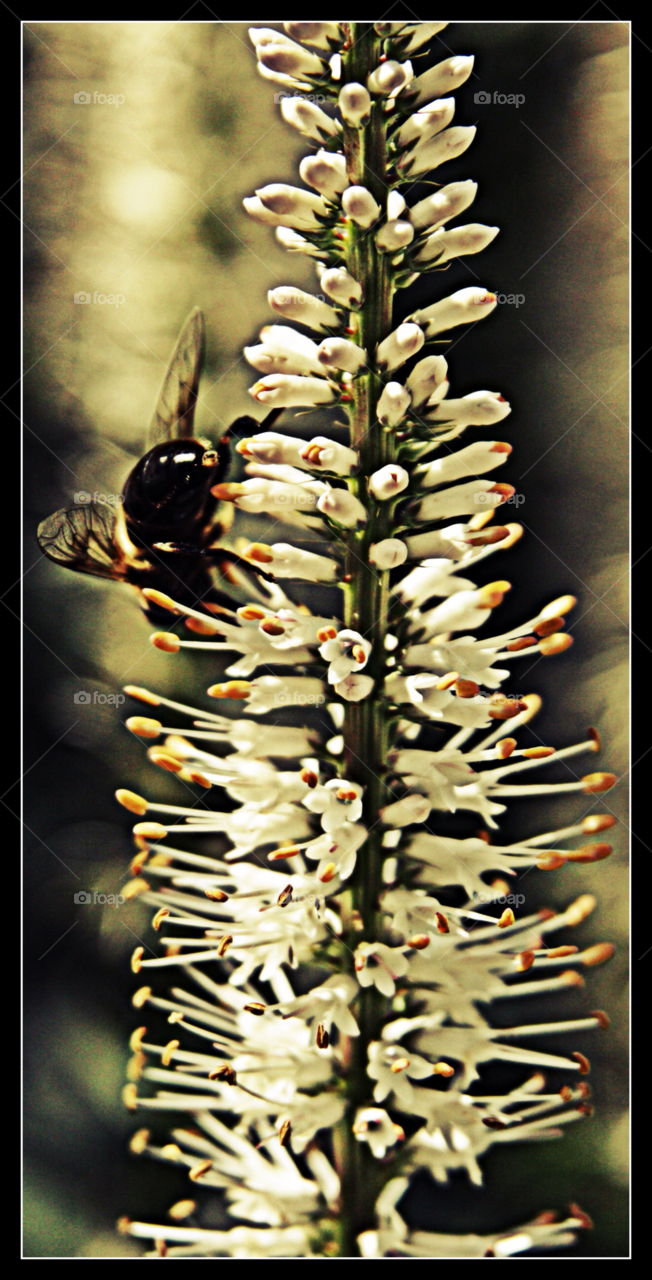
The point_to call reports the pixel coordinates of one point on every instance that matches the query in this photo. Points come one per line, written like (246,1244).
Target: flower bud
(309,119)
(427,122)
(429,155)
(399,346)
(322,34)
(443,205)
(389,78)
(355,105)
(463,307)
(290,59)
(388,554)
(282,390)
(393,404)
(444,78)
(342,507)
(394,236)
(389,482)
(425,379)
(339,353)
(326,172)
(360,206)
(443,245)
(341,287)
(304,308)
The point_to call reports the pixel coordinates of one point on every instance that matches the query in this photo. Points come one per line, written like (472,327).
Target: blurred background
(133,194)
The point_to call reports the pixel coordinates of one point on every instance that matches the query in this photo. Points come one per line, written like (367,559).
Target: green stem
(366,733)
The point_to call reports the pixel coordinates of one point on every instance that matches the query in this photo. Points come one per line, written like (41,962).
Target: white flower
(374,1126)
(345,653)
(427,122)
(395,236)
(388,554)
(464,499)
(326,455)
(389,78)
(399,346)
(412,808)
(272,496)
(289,59)
(354,688)
(444,245)
(484,455)
(464,307)
(283,350)
(379,966)
(322,34)
(416,34)
(393,404)
(337,802)
(478,409)
(285,561)
(286,389)
(329,1004)
(341,287)
(444,78)
(304,308)
(389,481)
(426,379)
(390,1066)
(443,205)
(326,172)
(290,239)
(341,354)
(341,506)
(429,155)
(337,851)
(309,119)
(355,104)
(360,206)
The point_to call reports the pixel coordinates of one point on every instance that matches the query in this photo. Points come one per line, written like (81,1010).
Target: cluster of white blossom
(262,1038)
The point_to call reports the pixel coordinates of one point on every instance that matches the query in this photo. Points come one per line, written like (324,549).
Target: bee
(164,533)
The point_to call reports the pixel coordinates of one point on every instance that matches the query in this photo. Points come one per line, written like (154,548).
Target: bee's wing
(175,407)
(84,538)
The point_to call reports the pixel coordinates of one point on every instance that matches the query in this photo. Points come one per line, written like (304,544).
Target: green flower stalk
(333,1025)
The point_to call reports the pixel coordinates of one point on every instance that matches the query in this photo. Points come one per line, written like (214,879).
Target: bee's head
(172,482)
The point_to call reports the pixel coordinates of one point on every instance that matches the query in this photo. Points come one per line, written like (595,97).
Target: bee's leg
(246,425)
(223,557)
